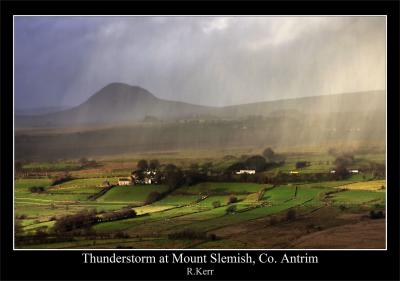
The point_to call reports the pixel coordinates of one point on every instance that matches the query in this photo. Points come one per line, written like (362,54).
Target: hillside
(116,120)
(337,103)
(115,103)
(121,104)
(39,110)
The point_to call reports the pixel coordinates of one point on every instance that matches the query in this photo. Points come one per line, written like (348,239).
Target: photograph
(199,132)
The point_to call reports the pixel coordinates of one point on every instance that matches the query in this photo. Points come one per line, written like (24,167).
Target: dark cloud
(203,60)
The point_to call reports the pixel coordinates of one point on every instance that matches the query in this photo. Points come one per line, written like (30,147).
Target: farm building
(294,172)
(354,171)
(145,177)
(124,181)
(248,172)
(333,171)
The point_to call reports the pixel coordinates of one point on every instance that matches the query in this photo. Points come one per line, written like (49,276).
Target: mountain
(119,103)
(123,119)
(115,103)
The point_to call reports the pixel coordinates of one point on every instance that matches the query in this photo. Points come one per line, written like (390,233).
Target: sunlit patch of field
(358,197)
(200,207)
(35,226)
(180,212)
(82,185)
(151,209)
(376,185)
(23,185)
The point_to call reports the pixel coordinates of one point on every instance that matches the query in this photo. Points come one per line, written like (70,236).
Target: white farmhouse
(248,172)
(124,181)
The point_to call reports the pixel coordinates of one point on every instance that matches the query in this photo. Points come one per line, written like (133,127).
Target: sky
(218,61)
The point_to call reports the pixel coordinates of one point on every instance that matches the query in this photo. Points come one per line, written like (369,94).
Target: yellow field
(366,185)
(151,209)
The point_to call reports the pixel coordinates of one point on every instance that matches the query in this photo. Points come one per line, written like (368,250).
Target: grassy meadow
(205,209)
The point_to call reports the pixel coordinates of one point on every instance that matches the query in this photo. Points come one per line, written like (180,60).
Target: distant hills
(121,119)
(122,104)
(39,110)
(336,103)
(115,103)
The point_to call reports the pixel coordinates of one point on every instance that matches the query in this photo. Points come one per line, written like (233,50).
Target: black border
(68,265)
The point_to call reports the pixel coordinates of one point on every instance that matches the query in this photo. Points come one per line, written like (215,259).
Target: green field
(201,207)
(130,194)
(222,188)
(358,197)
(53,166)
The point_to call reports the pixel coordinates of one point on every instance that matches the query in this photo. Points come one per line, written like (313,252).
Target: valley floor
(304,215)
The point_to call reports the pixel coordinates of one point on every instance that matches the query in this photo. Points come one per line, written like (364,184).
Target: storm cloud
(214,61)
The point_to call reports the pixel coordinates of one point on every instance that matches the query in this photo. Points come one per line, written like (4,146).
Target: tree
(84,219)
(231,209)
(376,215)
(216,204)
(37,189)
(341,172)
(301,164)
(142,165)
(173,176)
(345,159)
(193,177)
(170,168)
(154,164)
(153,197)
(256,162)
(269,154)
(232,199)
(341,162)
(235,167)
(120,214)
(66,176)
